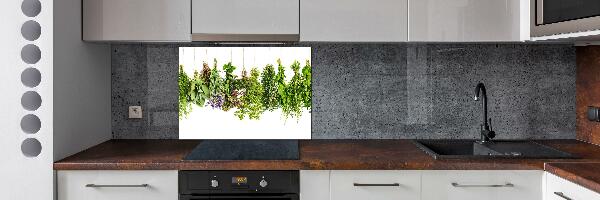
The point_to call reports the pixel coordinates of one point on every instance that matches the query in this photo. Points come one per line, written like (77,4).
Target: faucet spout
(480,94)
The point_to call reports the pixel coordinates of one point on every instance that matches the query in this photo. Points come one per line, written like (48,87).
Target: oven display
(239,180)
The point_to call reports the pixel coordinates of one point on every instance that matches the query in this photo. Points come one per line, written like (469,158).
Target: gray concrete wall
(376,91)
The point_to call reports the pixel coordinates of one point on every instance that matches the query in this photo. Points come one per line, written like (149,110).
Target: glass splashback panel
(245,92)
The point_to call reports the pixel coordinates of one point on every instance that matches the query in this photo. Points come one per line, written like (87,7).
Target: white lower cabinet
(560,189)
(314,184)
(375,185)
(482,185)
(421,185)
(117,185)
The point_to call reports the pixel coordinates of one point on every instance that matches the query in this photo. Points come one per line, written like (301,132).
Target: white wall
(22,177)
(82,109)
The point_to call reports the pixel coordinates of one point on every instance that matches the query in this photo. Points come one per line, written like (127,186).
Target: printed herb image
(250,94)
(245,92)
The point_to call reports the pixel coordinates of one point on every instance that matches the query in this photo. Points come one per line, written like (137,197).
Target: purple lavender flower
(216,101)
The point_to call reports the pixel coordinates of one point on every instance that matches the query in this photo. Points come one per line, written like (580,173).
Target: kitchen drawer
(478,185)
(162,185)
(395,185)
(556,186)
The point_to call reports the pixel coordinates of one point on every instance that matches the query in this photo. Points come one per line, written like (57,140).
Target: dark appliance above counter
(555,17)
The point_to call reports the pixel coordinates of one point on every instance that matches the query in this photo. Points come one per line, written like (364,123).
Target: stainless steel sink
(469,149)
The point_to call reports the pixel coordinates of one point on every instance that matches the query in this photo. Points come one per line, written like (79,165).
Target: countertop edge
(576,178)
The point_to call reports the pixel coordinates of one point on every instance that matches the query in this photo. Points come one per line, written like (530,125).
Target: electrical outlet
(135,112)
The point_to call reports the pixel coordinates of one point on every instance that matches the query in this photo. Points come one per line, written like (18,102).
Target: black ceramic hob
(245,150)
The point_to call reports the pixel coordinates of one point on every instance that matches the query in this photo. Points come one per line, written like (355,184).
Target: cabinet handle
(376,184)
(562,195)
(115,186)
(493,185)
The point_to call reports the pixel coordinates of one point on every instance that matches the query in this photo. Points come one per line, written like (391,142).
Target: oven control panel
(228,182)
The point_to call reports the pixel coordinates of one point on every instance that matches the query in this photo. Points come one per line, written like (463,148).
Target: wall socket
(135,112)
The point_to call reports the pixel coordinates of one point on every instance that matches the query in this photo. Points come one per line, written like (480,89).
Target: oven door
(551,17)
(240,197)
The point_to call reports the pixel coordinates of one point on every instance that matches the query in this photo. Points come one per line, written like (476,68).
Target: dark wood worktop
(331,155)
(584,174)
(314,154)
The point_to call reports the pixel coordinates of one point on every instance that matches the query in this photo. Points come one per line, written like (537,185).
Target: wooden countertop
(331,155)
(314,155)
(584,174)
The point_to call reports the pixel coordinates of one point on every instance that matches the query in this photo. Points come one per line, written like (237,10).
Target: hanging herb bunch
(248,95)
(292,94)
(230,98)
(184,90)
(216,88)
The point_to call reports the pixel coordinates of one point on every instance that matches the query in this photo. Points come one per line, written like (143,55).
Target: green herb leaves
(249,95)
(269,85)
(230,97)
(184,90)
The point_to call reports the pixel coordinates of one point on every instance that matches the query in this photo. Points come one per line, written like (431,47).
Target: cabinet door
(354,20)
(314,184)
(560,189)
(219,19)
(468,20)
(136,20)
(478,185)
(117,185)
(375,185)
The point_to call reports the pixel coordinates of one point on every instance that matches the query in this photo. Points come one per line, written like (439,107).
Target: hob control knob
(263,183)
(214,183)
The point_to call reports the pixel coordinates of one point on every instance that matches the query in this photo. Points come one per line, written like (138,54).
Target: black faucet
(487,134)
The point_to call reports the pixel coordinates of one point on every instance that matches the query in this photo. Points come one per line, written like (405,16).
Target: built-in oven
(552,17)
(237,185)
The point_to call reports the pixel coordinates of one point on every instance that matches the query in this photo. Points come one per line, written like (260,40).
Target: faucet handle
(491,133)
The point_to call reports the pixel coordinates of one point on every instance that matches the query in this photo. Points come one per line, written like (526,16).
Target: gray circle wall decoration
(31,147)
(31,30)
(31,100)
(31,77)
(31,8)
(31,54)
(31,124)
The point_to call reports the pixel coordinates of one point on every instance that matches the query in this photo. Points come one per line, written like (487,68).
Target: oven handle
(116,186)
(376,184)
(286,196)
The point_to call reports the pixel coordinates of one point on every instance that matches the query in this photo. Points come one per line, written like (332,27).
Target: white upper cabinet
(354,20)
(469,20)
(136,20)
(245,20)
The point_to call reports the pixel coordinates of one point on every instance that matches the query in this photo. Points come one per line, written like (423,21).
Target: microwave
(553,17)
